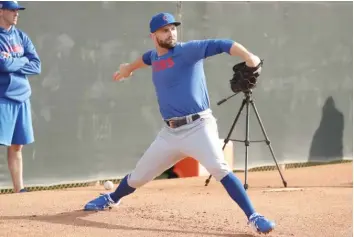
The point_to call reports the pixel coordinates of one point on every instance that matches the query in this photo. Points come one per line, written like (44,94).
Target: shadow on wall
(327,143)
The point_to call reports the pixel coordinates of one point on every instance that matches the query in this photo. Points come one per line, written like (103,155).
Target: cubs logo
(162,64)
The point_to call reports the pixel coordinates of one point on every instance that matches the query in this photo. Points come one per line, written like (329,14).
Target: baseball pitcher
(189,128)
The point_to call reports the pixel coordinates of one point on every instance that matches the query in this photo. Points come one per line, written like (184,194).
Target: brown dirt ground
(185,207)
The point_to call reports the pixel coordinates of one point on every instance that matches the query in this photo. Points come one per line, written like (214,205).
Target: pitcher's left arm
(196,50)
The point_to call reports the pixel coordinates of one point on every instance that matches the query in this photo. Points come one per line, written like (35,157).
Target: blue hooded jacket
(18,59)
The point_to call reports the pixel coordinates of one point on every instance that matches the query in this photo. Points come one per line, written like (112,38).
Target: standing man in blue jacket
(18,60)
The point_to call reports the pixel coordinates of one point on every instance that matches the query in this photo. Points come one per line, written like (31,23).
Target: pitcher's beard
(167,45)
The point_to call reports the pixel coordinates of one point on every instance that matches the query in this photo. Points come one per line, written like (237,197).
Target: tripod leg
(234,123)
(247,142)
(226,140)
(268,141)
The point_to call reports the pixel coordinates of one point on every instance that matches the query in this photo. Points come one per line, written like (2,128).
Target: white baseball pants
(198,139)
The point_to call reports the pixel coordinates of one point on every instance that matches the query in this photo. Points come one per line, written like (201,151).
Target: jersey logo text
(162,64)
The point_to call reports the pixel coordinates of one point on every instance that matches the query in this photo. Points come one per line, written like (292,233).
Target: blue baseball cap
(11,5)
(162,19)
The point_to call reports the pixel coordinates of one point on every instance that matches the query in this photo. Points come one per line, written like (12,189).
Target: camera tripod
(246,102)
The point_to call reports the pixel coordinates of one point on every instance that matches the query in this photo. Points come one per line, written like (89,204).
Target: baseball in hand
(108,185)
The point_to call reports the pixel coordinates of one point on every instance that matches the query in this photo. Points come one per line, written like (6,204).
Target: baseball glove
(245,78)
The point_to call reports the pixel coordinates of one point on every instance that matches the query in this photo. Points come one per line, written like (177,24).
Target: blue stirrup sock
(237,192)
(122,190)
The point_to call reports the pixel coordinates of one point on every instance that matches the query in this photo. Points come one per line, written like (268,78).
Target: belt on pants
(175,123)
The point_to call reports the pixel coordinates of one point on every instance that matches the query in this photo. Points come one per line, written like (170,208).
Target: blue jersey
(179,78)
(23,61)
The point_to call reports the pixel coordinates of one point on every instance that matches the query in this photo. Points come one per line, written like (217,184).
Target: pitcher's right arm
(126,69)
